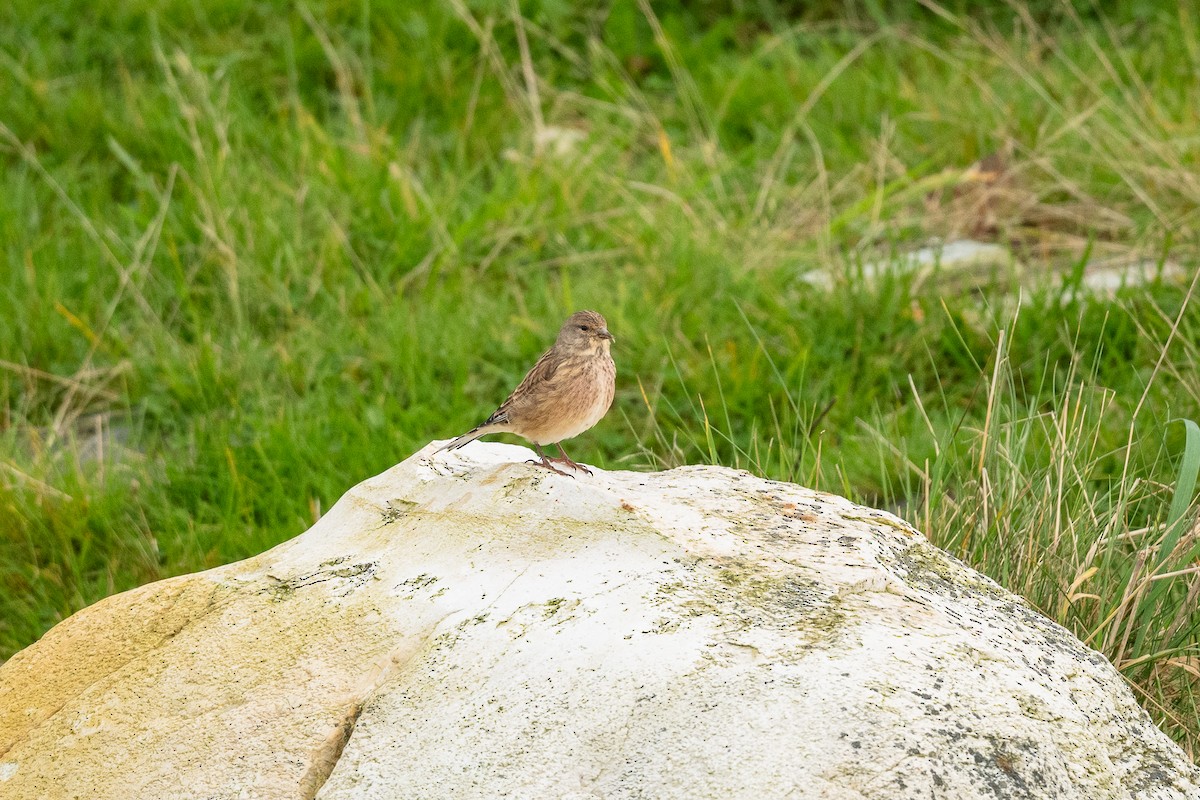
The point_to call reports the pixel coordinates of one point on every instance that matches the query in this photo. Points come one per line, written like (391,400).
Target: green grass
(269,253)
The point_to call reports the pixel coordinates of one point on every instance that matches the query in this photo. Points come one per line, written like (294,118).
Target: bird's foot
(546,463)
(572,464)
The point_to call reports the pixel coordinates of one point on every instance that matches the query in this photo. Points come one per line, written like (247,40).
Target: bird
(567,391)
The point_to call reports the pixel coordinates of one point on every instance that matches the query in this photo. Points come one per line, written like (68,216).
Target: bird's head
(586,330)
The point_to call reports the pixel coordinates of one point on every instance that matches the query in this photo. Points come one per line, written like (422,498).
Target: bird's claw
(549,466)
(571,464)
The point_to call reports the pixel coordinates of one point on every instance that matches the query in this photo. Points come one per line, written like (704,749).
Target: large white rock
(470,626)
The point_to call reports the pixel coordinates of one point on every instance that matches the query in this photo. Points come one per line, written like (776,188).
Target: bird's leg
(545,462)
(566,459)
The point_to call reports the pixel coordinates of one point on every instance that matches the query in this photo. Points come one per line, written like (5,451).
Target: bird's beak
(604,334)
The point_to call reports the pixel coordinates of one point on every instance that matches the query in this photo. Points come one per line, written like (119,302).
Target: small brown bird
(568,390)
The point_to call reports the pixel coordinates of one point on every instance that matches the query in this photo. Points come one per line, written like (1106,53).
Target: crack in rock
(327,754)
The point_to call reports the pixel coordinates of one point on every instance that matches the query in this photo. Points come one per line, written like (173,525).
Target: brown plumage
(569,390)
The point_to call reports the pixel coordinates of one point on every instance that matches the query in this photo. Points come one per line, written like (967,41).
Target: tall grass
(1035,488)
(251,257)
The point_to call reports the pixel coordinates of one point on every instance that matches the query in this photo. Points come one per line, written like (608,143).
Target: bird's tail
(496,423)
(467,438)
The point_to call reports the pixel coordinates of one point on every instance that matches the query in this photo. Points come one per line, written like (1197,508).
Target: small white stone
(557,140)
(960,262)
(1107,277)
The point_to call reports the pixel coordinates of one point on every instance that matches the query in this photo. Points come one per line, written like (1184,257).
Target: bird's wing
(542,373)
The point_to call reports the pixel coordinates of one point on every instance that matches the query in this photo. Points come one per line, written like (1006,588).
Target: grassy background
(253,254)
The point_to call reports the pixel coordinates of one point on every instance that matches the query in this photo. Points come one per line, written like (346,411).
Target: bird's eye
(583,327)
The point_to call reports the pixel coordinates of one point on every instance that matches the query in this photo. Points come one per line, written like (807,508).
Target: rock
(1108,276)
(557,140)
(956,267)
(470,626)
